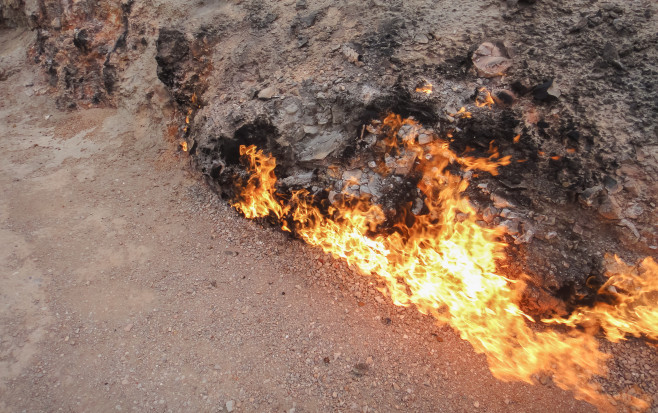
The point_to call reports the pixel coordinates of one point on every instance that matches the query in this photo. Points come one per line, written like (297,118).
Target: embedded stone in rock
(424,138)
(491,60)
(353,176)
(610,209)
(300,179)
(267,93)
(320,147)
(405,163)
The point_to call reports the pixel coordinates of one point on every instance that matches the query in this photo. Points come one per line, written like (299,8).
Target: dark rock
(172,49)
(610,209)
(82,39)
(589,196)
(541,91)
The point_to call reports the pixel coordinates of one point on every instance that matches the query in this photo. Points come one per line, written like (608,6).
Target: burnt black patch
(260,132)
(386,39)
(172,49)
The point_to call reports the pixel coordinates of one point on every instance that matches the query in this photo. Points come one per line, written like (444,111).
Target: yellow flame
(631,310)
(183,146)
(257,196)
(447,266)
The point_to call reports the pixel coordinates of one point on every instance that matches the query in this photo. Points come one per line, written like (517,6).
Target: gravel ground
(126,285)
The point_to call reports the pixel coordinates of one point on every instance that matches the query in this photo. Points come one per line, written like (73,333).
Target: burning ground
(476,162)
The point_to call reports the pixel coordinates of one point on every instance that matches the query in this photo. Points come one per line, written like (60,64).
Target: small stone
(554,90)
(310,130)
(424,139)
(541,91)
(422,38)
(291,109)
(476,404)
(491,60)
(360,369)
(230,406)
(610,209)
(634,211)
(267,93)
(404,165)
(302,41)
(588,196)
(500,202)
(128,327)
(512,226)
(504,97)
(352,176)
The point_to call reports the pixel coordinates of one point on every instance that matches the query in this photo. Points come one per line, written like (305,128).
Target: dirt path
(126,286)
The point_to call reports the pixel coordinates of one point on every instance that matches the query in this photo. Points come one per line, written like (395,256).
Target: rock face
(304,83)
(83,47)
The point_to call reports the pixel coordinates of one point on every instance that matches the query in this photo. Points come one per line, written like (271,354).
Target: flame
(633,293)
(183,146)
(258,192)
(517,138)
(484,98)
(447,265)
(426,88)
(461,113)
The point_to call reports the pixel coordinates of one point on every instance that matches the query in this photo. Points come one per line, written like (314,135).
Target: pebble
(291,109)
(267,93)
(230,406)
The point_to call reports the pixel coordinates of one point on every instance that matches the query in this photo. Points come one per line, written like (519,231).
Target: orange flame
(258,193)
(447,266)
(183,146)
(633,292)
(461,113)
(426,89)
(484,98)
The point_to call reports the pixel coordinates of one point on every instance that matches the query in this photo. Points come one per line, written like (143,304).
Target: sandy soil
(126,285)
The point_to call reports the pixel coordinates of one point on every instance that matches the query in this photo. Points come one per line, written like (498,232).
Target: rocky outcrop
(574,109)
(305,90)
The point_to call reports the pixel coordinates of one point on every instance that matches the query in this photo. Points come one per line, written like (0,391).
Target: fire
(484,98)
(183,146)
(258,192)
(426,88)
(447,265)
(461,113)
(633,293)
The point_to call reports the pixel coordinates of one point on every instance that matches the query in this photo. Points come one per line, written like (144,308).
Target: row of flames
(447,265)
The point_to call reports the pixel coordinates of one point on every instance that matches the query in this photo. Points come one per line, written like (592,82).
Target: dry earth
(126,285)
